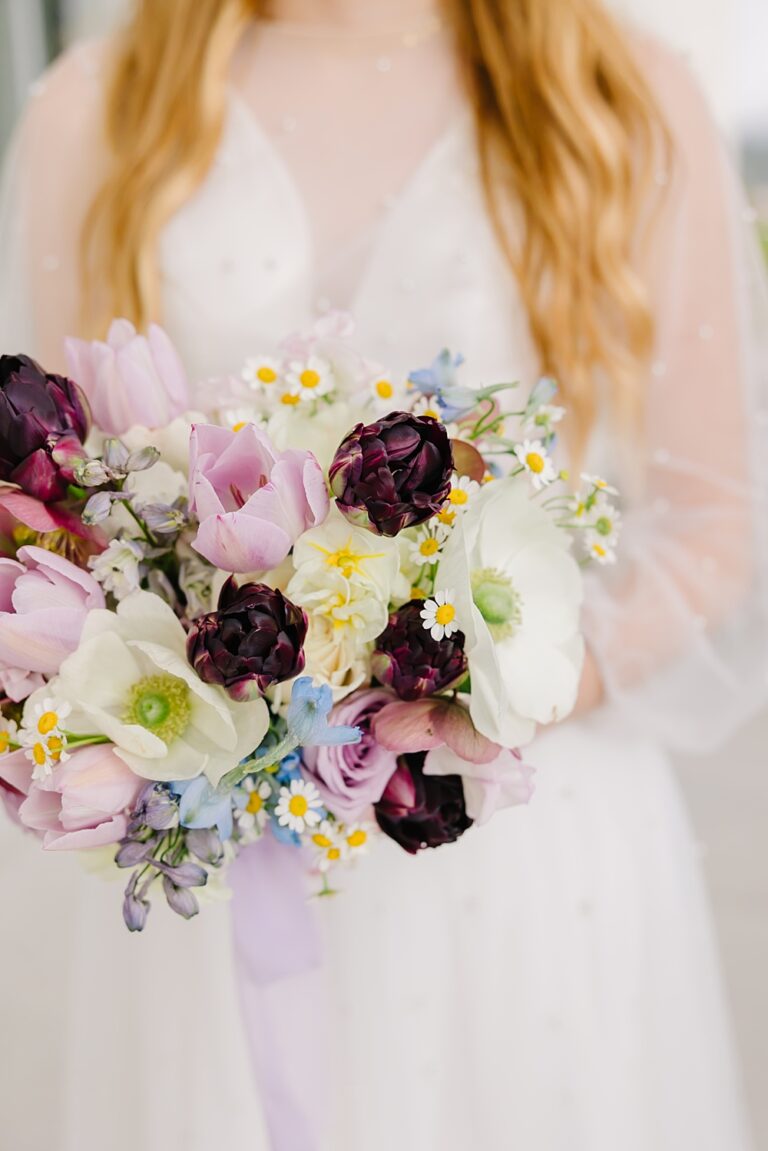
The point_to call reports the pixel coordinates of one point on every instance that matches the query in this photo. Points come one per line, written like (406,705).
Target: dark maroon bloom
(418,810)
(253,640)
(413,664)
(392,474)
(44,421)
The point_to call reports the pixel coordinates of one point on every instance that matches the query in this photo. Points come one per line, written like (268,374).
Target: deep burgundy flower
(44,421)
(413,664)
(418,810)
(254,639)
(392,474)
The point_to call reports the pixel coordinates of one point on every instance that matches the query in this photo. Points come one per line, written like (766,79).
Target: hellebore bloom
(130,380)
(418,810)
(253,640)
(44,602)
(252,501)
(84,802)
(307,717)
(44,421)
(392,474)
(350,777)
(413,664)
(504,782)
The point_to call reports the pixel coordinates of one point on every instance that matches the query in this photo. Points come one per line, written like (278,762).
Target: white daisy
(426,406)
(299,806)
(602,536)
(255,815)
(533,457)
(358,838)
(461,493)
(42,736)
(331,846)
(262,373)
(543,419)
(599,483)
(600,551)
(8,733)
(439,616)
(387,395)
(309,378)
(427,547)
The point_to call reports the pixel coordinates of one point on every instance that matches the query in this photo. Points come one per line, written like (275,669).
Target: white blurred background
(727,42)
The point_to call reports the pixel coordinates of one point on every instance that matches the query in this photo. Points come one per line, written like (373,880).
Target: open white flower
(262,373)
(602,536)
(517,597)
(439,615)
(130,681)
(118,567)
(299,806)
(533,456)
(308,379)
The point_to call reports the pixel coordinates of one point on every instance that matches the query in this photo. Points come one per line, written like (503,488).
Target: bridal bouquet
(330,603)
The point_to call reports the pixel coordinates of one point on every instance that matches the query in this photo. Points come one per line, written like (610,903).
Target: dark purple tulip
(180,899)
(413,664)
(418,810)
(392,474)
(253,640)
(44,421)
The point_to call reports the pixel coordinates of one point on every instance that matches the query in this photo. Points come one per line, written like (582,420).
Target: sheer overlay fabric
(573,997)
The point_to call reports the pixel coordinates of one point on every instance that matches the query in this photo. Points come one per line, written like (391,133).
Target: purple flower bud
(132,852)
(392,474)
(180,899)
(253,640)
(156,809)
(115,455)
(142,459)
(418,810)
(206,845)
(135,910)
(184,874)
(41,416)
(413,664)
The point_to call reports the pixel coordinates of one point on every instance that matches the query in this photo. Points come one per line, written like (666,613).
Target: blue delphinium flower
(202,805)
(307,717)
(439,376)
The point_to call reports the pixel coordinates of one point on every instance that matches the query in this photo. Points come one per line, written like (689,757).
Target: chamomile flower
(439,616)
(308,379)
(541,421)
(299,806)
(357,837)
(262,373)
(602,536)
(533,456)
(43,738)
(600,551)
(461,493)
(599,484)
(427,547)
(330,844)
(8,732)
(255,815)
(386,394)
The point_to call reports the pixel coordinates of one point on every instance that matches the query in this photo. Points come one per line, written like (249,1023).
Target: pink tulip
(252,501)
(44,600)
(83,803)
(130,380)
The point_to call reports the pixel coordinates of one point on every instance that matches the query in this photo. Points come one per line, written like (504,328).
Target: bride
(544,191)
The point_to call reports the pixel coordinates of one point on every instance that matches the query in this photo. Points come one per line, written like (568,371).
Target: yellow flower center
(321,840)
(445,614)
(309,379)
(47,722)
(238,427)
(266,375)
(535,462)
(433,415)
(358,838)
(446,516)
(348,561)
(5,741)
(334,853)
(55,747)
(599,550)
(298,806)
(384,390)
(429,547)
(255,803)
(418,593)
(39,754)
(288,399)
(458,496)
(161,704)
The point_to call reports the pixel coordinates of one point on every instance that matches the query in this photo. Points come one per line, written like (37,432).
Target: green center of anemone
(497,601)
(160,703)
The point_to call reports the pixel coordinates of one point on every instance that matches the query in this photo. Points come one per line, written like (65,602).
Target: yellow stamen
(445,614)
(446,516)
(418,593)
(309,379)
(458,496)
(429,547)
(39,754)
(334,854)
(348,561)
(255,803)
(321,840)
(266,375)
(238,427)
(5,741)
(358,838)
(599,550)
(384,390)
(298,806)
(288,399)
(431,413)
(535,462)
(47,722)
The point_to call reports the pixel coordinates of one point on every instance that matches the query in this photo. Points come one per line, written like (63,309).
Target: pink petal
(454,726)
(237,542)
(407,727)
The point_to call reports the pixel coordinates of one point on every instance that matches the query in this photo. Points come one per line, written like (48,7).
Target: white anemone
(517,592)
(130,681)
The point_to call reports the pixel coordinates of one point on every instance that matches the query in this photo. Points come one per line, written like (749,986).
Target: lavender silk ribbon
(278,954)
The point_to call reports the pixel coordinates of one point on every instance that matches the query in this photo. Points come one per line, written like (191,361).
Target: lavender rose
(351,777)
(392,474)
(413,664)
(253,640)
(418,810)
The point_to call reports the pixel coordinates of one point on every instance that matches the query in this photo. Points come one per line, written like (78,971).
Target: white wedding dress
(548,983)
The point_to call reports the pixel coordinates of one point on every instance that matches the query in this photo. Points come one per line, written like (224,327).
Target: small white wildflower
(439,616)
(299,806)
(533,457)
(118,567)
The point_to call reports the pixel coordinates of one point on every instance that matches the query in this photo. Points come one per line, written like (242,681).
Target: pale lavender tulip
(44,600)
(130,380)
(253,502)
(85,802)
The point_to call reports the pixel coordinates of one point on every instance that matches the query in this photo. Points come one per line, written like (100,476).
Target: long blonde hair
(567,130)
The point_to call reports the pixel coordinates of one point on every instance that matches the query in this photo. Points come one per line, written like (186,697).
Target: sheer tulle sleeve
(50,175)
(680,628)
